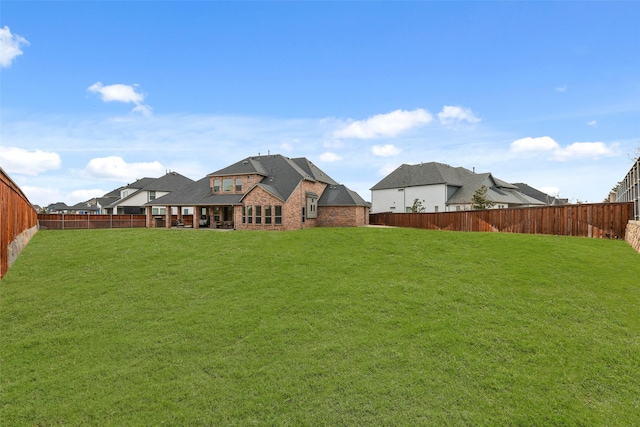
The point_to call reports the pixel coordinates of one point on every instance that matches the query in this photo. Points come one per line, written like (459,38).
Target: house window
(250,214)
(152,195)
(227,184)
(278,216)
(304,214)
(238,184)
(185,211)
(216,185)
(267,214)
(258,214)
(458,208)
(216,214)
(244,215)
(435,209)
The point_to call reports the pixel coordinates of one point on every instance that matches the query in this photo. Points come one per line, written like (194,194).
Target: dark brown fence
(17,215)
(602,220)
(85,222)
(80,221)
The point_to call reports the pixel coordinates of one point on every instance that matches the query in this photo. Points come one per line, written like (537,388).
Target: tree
(479,200)
(417,206)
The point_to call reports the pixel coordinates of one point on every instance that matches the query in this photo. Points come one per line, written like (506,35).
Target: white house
(132,197)
(442,188)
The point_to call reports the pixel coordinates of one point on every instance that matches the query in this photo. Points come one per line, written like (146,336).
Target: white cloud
(592,123)
(561,89)
(329,157)
(122,93)
(585,150)
(10,45)
(145,110)
(387,169)
(529,144)
(453,115)
(83,195)
(116,169)
(286,147)
(42,196)
(572,151)
(20,161)
(551,191)
(390,124)
(385,150)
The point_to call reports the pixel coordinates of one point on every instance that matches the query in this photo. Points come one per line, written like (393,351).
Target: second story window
(152,195)
(238,184)
(216,185)
(227,184)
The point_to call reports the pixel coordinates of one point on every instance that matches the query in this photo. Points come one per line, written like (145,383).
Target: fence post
(63,220)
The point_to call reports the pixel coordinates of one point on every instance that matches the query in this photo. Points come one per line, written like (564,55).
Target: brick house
(271,192)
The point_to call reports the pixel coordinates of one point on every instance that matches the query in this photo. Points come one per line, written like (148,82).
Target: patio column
(196,217)
(149,216)
(167,216)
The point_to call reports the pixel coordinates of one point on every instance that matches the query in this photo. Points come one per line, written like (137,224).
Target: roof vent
(246,162)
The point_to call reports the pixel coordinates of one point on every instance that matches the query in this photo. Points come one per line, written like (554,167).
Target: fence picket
(598,220)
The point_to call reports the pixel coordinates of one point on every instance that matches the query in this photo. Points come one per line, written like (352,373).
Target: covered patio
(215,216)
(209,210)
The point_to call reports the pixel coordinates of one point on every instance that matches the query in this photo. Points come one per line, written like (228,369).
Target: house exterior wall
(343,216)
(258,197)
(248,181)
(397,200)
(291,209)
(628,190)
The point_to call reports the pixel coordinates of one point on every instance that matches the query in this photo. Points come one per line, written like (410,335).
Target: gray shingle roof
(422,174)
(281,175)
(339,195)
(171,181)
(468,182)
(539,195)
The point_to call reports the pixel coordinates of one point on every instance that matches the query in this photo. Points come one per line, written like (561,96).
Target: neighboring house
(269,192)
(92,206)
(58,208)
(132,198)
(539,195)
(628,190)
(442,188)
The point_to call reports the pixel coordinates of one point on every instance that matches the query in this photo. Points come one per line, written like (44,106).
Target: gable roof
(433,173)
(196,193)
(422,174)
(170,182)
(281,175)
(339,195)
(539,195)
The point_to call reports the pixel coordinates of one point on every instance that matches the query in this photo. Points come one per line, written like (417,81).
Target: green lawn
(366,326)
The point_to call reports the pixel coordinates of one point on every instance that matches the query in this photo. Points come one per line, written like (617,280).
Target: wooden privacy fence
(18,221)
(602,220)
(83,222)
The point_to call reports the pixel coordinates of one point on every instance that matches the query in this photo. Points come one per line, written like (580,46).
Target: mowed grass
(365,326)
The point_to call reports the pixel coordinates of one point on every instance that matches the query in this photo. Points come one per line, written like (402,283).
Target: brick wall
(291,209)
(343,216)
(632,235)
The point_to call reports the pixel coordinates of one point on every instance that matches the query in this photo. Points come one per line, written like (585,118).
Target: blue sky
(94,95)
